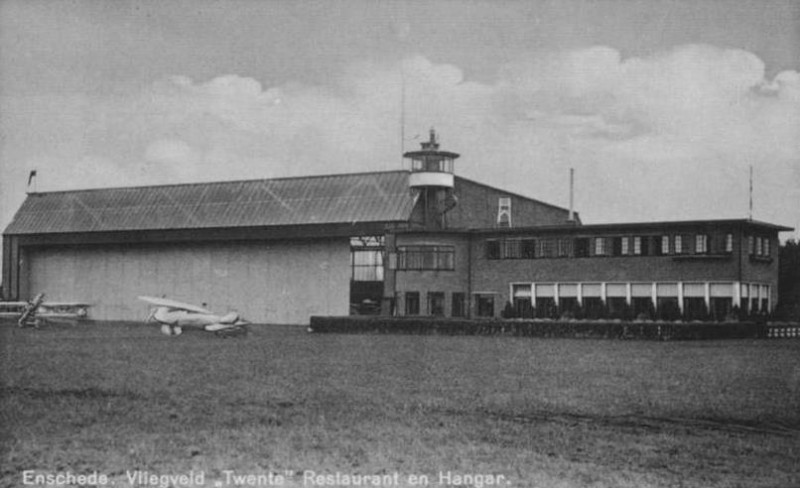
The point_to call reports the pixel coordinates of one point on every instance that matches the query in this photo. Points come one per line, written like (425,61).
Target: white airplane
(174,316)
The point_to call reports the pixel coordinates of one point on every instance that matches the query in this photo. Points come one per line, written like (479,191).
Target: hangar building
(421,241)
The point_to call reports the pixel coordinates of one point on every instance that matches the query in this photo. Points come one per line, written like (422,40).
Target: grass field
(114,399)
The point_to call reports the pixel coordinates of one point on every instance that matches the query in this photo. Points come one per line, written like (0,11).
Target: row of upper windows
(426,258)
(436,304)
(659,245)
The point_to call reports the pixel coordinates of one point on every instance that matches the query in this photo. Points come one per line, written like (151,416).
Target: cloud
(665,136)
(687,123)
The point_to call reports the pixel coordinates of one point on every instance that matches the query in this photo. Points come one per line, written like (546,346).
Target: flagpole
(750,215)
(32,179)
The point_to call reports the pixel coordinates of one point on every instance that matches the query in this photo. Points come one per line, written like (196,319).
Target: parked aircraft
(174,316)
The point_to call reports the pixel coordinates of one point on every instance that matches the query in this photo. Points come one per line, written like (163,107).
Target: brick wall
(737,266)
(424,281)
(478,204)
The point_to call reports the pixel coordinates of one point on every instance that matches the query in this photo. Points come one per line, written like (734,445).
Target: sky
(661,107)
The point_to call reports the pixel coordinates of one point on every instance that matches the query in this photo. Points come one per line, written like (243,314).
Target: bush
(528,328)
(579,312)
(528,312)
(734,315)
(669,311)
(788,311)
(624,312)
(649,314)
(701,314)
(508,312)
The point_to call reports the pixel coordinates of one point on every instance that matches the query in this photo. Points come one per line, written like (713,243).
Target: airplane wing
(166,302)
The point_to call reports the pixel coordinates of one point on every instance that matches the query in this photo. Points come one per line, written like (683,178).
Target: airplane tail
(230,318)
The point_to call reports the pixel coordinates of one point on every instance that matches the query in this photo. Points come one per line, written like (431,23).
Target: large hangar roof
(332,199)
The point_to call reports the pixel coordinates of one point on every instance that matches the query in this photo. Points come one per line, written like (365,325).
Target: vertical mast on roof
(402,113)
(750,215)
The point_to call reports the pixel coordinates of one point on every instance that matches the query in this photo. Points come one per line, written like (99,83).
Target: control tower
(432,182)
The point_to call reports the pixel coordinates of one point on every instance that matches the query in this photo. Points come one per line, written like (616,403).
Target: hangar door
(266,282)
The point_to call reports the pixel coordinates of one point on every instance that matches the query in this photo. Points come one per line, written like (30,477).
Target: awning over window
(694,290)
(667,289)
(616,290)
(641,290)
(568,290)
(545,291)
(721,290)
(521,291)
(592,290)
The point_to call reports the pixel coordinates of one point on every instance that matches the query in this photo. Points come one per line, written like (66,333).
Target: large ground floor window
(485,306)
(523,307)
(643,307)
(545,307)
(568,304)
(695,300)
(593,307)
(668,308)
(436,303)
(412,303)
(721,308)
(618,308)
(458,305)
(694,308)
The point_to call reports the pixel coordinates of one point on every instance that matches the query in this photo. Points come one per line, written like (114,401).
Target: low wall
(540,328)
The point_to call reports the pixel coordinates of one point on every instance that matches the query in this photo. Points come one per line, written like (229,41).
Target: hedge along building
(416,242)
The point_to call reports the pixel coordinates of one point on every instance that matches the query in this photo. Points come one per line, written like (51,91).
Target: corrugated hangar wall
(266,282)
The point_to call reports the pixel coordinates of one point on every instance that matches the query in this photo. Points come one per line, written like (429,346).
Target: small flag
(31,176)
